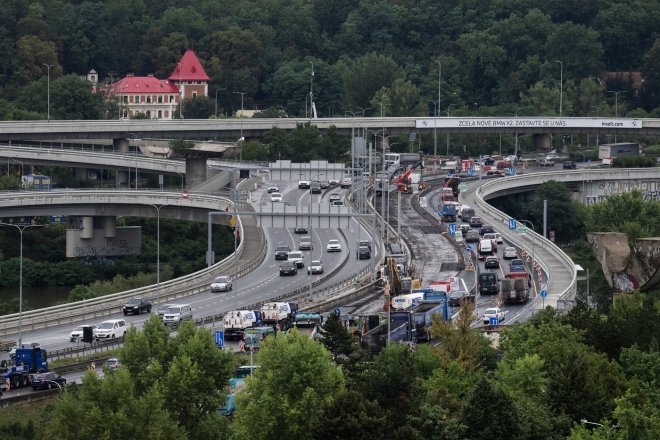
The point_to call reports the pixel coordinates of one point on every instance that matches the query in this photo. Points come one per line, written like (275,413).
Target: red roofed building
(159,98)
(190,76)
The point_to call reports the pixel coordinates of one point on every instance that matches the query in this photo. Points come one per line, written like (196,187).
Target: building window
(124,114)
(124,99)
(160,99)
(171,98)
(137,99)
(194,94)
(148,99)
(160,114)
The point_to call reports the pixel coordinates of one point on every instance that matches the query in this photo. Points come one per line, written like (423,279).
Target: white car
(221,284)
(552,156)
(113,328)
(77,332)
(296,257)
(512,158)
(333,246)
(346,182)
(276,197)
(303,184)
(273,189)
(315,267)
(493,312)
(499,238)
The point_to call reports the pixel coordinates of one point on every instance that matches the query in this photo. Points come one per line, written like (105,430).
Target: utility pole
(48,66)
(561,86)
(437,110)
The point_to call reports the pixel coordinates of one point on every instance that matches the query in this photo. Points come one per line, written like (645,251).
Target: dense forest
(475,57)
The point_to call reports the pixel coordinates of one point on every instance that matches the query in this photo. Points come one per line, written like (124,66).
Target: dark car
(569,165)
(492,262)
(472,236)
(288,268)
(136,306)
(456,298)
(475,222)
(46,381)
(300,230)
(517,265)
(364,253)
(489,283)
(486,229)
(325,185)
(282,252)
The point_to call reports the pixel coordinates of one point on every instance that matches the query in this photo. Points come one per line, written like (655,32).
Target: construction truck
(308,323)
(453,182)
(27,362)
(448,211)
(406,180)
(280,314)
(237,321)
(400,278)
(515,287)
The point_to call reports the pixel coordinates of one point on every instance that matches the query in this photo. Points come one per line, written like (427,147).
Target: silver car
(221,284)
(509,253)
(315,267)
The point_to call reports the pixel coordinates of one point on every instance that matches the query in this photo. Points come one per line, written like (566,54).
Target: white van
(177,313)
(113,328)
(485,248)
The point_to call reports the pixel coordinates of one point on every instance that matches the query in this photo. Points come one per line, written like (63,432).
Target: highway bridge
(252,128)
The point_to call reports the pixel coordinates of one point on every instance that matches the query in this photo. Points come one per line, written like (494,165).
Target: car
(366,243)
(346,182)
(457,298)
(493,239)
(475,222)
(517,265)
(509,253)
(300,230)
(499,238)
(275,197)
(464,228)
(333,246)
(495,313)
(363,253)
(288,268)
(137,306)
(177,313)
(77,332)
(569,165)
(48,380)
(551,156)
(487,229)
(315,187)
(112,364)
(303,184)
(472,236)
(334,197)
(547,163)
(325,184)
(221,284)
(110,329)
(337,203)
(333,182)
(492,262)
(305,243)
(512,158)
(315,267)
(273,189)
(162,309)
(296,257)
(282,252)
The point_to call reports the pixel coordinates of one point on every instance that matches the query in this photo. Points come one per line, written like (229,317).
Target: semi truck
(28,361)
(237,321)
(514,288)
(279,313)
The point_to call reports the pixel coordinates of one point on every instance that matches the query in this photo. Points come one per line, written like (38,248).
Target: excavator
(404,183)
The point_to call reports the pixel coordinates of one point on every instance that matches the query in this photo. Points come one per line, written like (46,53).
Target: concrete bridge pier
(195,171)
(120,145)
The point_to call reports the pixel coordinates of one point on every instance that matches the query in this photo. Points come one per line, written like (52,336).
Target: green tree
(277,399)
(368,75)
(490,414)
(198,107)
(109,408)
(351,416)
(562,211)
(336,338)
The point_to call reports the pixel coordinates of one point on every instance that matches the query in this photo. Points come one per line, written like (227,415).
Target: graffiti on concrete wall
(650,189)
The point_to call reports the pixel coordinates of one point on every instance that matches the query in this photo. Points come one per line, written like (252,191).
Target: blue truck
(448,212)
(27,362)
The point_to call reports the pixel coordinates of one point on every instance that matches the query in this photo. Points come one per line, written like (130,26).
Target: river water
(38,297)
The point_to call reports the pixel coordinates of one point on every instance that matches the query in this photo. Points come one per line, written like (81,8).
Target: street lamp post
(435,128)
(20,228)
(616,100)
(437,110)
(241,139)
(216,100)
(48,66)
(597,111)
(449,108)
(600,425)
(561,86)
(311,93)
(533,251)
(157,252)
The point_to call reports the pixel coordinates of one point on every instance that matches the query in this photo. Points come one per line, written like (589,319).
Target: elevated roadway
(233,128)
